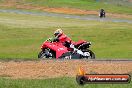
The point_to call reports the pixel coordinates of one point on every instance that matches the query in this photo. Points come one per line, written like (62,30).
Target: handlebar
(49,39)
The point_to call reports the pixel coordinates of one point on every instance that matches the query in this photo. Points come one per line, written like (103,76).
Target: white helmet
(57,32)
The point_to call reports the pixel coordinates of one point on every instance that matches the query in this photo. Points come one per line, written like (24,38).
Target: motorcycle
(52,50)
(102,13)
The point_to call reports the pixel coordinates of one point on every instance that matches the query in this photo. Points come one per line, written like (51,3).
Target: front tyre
(41,55)
(46,54)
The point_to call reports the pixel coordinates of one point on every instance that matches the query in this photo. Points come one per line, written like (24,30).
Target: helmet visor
(56,34)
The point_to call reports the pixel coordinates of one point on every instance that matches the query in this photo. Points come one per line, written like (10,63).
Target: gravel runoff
(61,68)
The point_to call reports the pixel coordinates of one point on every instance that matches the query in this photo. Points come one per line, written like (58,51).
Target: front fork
(47,53)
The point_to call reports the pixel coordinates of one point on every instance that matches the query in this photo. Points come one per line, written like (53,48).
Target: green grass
(83,4)
(118,6)
(64,82)
(22,35)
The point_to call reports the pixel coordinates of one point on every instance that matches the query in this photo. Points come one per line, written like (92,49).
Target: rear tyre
(92,55)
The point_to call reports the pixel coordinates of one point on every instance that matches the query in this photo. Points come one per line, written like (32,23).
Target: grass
(22,35)
(117,6)
(83,4)
(64,82)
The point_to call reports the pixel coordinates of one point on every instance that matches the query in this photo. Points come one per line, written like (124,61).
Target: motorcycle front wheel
(45,54)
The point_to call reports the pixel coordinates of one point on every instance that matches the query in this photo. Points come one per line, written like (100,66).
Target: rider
(102,13)
(66,41)
(62,38)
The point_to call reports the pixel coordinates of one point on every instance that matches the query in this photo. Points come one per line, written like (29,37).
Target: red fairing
(55,46)
(58,47)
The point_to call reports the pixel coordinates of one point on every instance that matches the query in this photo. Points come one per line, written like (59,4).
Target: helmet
(58,32)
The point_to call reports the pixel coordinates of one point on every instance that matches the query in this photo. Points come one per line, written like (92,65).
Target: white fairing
(80,52)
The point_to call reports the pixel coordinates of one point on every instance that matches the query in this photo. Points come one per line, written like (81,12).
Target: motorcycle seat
(79,42)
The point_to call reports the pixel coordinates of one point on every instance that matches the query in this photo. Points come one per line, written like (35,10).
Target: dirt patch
(60,68)
(13,3)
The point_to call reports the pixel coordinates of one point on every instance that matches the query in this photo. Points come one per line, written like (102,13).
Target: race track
(68,16)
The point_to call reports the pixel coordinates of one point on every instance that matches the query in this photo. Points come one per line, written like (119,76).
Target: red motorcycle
(50,49)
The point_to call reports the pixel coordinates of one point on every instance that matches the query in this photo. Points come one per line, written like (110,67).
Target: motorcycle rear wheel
(92,55)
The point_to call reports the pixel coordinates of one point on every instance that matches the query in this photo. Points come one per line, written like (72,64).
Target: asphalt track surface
(86,17)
